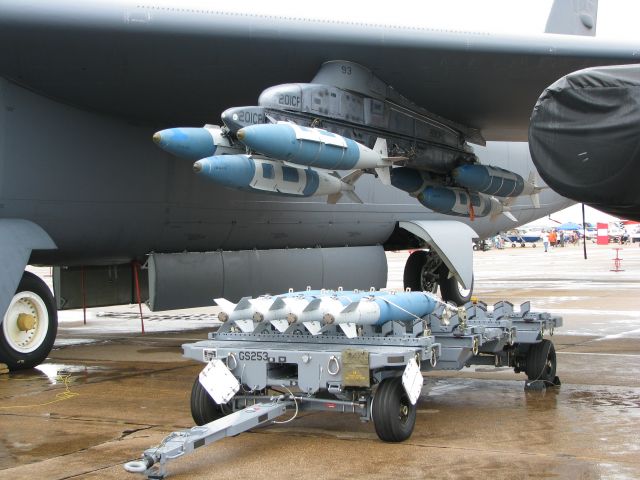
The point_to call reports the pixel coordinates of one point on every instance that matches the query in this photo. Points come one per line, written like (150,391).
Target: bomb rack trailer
(351,352)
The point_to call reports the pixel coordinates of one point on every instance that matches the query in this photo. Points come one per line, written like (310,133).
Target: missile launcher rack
(256,372)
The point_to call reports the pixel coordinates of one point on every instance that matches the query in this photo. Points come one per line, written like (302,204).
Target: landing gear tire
(393,414)
(422,271)
(29,326)
(203,408)
(451,290)
(541,362)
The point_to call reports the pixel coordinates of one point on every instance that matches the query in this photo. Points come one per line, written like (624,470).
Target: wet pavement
(107,393)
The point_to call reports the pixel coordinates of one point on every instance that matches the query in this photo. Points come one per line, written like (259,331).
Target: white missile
(245,172)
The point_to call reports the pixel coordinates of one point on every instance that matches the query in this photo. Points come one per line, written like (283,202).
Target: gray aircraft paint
(162,206)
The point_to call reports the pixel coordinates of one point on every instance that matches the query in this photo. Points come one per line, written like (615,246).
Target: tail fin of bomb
(225,305)
(349,329)
(352,307)
(350,179)
(313,305)
(278,304)
(506,209)
(384,173)
(509,215)
(243,304)
(535,197)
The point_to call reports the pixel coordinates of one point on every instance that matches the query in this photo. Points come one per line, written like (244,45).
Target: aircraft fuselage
(106,194)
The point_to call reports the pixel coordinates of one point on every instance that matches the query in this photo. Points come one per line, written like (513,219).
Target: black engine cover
(584,138)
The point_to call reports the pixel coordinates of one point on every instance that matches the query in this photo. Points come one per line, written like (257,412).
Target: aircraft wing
(169,63)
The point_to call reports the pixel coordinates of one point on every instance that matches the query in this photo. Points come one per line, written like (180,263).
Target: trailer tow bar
(154,460)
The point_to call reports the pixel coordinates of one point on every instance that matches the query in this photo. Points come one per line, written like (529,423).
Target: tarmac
(107,393)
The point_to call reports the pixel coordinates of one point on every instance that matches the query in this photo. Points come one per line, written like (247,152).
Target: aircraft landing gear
(422,271)
(452,291)
(29,326)
(425,271)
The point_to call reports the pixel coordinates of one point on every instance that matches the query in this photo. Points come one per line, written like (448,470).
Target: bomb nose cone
(197,167)
(241,134)
(457,172)
(190,143)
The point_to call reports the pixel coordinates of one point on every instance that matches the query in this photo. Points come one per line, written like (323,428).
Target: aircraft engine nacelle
(584,138)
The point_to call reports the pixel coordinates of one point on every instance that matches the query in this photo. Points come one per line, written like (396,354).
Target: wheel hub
(429,275)
(26,322)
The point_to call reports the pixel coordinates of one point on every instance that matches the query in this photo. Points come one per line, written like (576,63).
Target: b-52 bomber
(300,135)
(84,190)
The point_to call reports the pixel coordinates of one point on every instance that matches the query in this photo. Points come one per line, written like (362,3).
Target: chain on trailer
(359,352)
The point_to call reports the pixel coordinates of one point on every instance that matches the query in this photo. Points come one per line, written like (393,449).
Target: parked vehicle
(520,237)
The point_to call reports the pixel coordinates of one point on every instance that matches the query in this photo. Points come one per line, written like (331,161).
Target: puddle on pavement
(53,373)
(605,399)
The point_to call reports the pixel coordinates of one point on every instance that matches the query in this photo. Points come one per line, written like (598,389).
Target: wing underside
(179,64)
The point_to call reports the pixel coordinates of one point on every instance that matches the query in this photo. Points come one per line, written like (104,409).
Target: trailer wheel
(541,362)
(393,414)
(203,408)
(30,324)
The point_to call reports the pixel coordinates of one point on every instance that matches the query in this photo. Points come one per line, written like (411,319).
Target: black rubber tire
(203,408)
(450,288)
(393,415)
(541,362)
(15,359)
(414,276)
